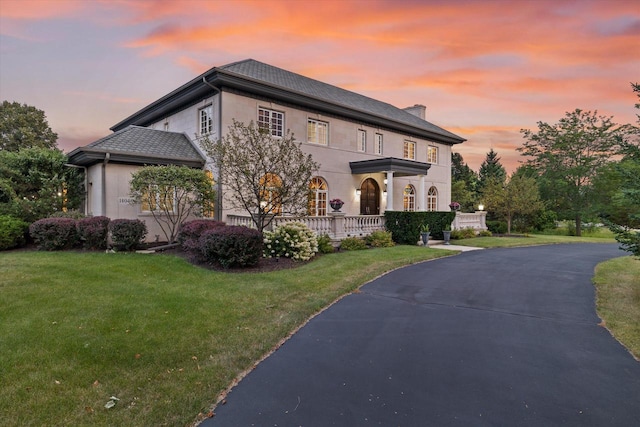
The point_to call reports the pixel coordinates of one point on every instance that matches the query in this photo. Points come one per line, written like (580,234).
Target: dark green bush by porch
(405,226)
(12,232)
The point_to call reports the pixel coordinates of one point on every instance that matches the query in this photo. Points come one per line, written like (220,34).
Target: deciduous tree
(171,194)
(262,174)
(518,195)
(568,154)
(24,126)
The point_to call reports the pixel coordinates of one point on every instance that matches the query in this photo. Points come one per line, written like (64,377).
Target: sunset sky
(484,69)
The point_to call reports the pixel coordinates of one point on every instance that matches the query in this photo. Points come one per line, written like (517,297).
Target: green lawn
(529,240)
(159,334)
(618,299)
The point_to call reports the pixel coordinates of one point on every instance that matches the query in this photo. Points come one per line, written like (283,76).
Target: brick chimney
(417,110)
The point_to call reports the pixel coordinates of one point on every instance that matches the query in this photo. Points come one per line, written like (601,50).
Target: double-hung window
(432,155)
(158,198)
(409,150)
(317,132)
(272,121)
(205,119)
(378,144)
(362,140)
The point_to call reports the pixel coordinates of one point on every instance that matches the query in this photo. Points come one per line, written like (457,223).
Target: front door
(369,197)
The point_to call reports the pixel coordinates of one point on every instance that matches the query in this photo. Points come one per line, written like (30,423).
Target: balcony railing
(338,225)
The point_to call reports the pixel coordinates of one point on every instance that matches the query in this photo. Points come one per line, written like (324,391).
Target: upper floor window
(205,117)
(410,150)
(317,132)
(409,198)
(378,144)
(432,155)
(272,121)
(432,199)
(318,197)
(362,140)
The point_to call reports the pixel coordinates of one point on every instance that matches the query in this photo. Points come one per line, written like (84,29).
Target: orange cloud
(39,9)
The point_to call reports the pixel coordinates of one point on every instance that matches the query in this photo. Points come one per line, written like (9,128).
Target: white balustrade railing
(475,220)
(336,226)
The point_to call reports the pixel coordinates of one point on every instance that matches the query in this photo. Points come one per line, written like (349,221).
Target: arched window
(432,199)
(318,197)
(270,198)
(409,198)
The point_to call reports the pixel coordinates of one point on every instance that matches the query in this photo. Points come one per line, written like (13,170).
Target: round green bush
(12,232)
(352,244)
(127,234)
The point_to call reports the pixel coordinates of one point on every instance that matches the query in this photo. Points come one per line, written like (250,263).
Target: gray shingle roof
(141,145)
(314,88)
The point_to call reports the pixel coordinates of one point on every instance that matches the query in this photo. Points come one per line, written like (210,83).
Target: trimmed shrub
(191,231)
(484,233)
(232,246)
(51,234)
(497,227)
(324,244)
(93,232)
(465,233)
(291,240)
(379,239)
(127,234)
(71,213)
(12,231)
(353,244)
(405,226)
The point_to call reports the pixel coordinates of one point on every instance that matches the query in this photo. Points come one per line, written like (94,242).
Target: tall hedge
(405,226)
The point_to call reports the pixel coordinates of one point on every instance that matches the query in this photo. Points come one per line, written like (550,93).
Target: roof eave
(196,89)
(88,157)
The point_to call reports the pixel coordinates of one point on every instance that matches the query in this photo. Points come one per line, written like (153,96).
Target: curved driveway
(498,337)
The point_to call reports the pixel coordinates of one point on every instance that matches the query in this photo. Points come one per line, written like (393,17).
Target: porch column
(421,205)
(389,190)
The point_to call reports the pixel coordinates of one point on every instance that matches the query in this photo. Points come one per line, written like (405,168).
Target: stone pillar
(337,225)
(389,191)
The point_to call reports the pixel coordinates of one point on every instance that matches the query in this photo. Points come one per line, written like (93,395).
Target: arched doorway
(369,197)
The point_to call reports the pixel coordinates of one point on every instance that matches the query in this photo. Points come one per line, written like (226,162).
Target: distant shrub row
(51,234)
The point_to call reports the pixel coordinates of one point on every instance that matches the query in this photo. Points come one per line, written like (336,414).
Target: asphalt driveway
(498,337)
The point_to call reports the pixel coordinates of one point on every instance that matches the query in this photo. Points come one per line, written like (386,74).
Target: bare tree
(264,175)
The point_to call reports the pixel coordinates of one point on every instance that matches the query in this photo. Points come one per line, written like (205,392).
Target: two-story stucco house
(373,156)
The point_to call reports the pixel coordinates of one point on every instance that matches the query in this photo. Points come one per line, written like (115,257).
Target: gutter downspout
(217,215)
(104,183)
(86,186)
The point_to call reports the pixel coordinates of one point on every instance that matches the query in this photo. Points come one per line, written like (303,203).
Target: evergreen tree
(491,169)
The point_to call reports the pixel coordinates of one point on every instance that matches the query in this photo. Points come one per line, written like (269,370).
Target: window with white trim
(432,155)
(318,197)
(158,198)
(317,132)
(378,144)
(432,199)
(362,140)
(272,121)
(409,198)
(410,150)
(205,118)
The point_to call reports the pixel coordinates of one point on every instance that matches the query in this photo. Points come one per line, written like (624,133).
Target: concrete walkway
(499,337)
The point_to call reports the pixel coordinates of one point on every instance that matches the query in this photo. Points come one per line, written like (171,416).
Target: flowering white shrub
(292,240)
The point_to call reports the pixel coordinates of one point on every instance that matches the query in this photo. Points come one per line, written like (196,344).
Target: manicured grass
(159,334)
(529,240)
(617,283)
